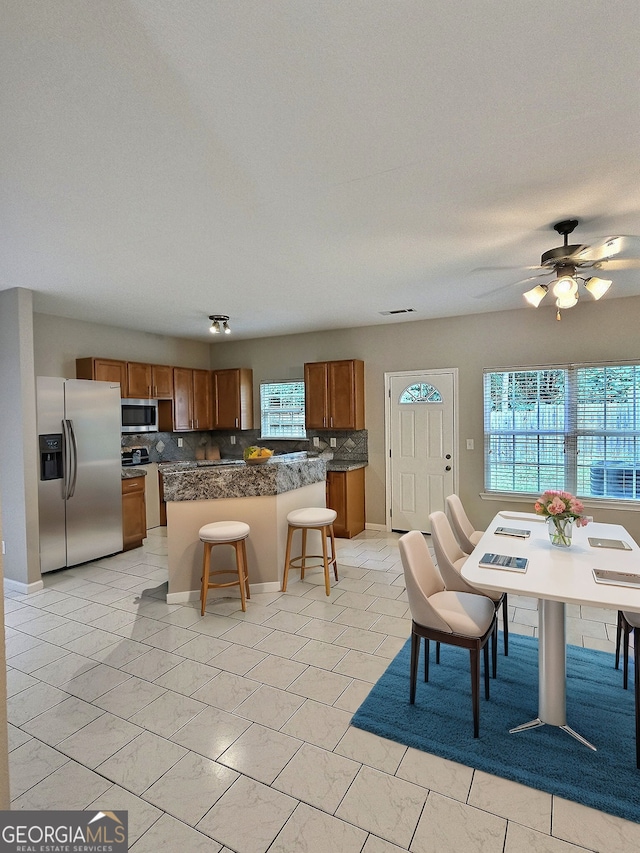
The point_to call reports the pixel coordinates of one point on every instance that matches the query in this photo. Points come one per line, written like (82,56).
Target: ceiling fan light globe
(567,300)
(564,286)
(597,287)
(536,295)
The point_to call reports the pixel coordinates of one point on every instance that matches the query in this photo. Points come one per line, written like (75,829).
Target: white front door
(422,442)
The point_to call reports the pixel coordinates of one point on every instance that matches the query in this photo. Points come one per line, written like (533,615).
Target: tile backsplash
(351,445)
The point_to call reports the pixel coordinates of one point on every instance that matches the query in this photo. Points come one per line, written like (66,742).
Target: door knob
(447,467)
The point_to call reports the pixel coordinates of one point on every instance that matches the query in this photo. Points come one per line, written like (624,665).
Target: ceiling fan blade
(609,247)
(498,269)
(613,264)
(504,287)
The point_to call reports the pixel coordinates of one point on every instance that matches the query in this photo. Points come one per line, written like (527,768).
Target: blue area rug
(546,758)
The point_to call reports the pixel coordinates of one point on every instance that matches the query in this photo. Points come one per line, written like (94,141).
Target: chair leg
(505,625)
(287,559)
(437,653)
(413,675)
(303,562)
(334,556)
(618,638)
(494,650)
(325,561)
(426,658)
(246,567)
(625,657)
(636,674)
(486,671)
(206,559)
(475,689)
(241,574)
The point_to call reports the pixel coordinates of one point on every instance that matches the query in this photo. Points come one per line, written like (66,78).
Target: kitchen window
(569,427)
(282,409)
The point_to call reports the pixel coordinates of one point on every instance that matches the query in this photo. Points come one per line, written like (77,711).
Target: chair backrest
(421,579)
(448,553)
(460,523)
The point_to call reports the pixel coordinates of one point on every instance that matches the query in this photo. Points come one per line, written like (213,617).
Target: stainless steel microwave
(139,415)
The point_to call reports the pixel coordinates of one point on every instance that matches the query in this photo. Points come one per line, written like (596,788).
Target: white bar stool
(311,518)
(225,533)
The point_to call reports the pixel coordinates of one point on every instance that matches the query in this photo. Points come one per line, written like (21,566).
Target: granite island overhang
(260,495)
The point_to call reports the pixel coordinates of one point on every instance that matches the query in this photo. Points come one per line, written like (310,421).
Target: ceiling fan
(567,262)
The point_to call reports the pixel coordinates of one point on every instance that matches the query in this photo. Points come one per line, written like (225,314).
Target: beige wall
(58,341)
(18,459)
(603,331)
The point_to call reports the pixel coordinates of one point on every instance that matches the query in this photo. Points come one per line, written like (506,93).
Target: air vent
(398,311)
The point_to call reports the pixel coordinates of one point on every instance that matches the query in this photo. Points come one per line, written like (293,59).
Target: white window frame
(581,428)
(295,413)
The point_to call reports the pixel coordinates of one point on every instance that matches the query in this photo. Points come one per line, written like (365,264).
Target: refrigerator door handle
(66,459)
(74,467)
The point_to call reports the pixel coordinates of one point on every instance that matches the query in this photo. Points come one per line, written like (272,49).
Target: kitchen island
(198,493)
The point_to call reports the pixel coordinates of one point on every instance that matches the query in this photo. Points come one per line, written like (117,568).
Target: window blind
(571,427)
(282,409)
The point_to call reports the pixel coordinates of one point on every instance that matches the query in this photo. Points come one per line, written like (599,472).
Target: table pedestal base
(552,705)
(534,724)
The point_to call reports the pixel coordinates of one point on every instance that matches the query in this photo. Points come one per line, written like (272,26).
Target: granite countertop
(129,473)
(192,481)
(343,465)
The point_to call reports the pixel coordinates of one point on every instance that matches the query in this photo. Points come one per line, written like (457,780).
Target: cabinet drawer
(133,484)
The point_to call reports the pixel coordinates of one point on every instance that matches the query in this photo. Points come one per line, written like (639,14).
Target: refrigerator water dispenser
(51,465)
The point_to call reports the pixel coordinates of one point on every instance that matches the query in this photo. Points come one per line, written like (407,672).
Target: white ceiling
(307,164)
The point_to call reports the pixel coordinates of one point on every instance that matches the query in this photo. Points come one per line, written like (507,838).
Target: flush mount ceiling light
(219,323)
(568,262)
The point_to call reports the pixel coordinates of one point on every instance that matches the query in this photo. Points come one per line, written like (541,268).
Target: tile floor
(231,732)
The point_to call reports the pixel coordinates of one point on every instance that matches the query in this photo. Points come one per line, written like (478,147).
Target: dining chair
(456,618)
(465,532)
(450,559)
(628,622)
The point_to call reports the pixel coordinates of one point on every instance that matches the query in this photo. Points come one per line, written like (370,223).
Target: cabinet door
(346,395)
(337,499)
(138,380)
(182,398)
(103,370)
(134,516)
(161,381)
(226,399)
(202,414)
(315,395)
(345,494)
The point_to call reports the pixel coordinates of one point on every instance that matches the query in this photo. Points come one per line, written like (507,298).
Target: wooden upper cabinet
(202,413)
(153,381)
(191,400)
(162,381)
(316,395)
(233,398)
(182,398)
(334,394)
(103,370)
(138,380)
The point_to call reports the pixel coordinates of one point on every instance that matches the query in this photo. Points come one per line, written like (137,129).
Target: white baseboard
(194,594)
(370,526)
(24,588)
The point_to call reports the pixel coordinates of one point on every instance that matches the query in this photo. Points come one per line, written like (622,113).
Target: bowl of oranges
(257,455)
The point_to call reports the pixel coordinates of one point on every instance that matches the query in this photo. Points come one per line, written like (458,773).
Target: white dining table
(556,577)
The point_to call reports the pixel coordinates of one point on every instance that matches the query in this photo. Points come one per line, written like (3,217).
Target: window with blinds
(570,427)
(282,409)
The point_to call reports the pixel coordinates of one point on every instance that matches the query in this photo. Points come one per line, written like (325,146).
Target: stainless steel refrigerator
(79,486)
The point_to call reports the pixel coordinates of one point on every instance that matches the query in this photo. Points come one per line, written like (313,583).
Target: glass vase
(560,530)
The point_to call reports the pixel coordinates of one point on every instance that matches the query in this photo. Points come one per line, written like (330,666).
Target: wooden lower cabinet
(345,494)
(134,512)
